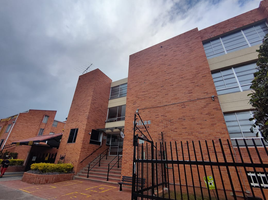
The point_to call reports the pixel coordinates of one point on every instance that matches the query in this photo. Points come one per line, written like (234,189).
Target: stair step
(101,174)
(102,169)
(98,180)
(101,177)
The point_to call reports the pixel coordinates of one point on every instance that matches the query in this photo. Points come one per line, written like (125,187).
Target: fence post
(152,153)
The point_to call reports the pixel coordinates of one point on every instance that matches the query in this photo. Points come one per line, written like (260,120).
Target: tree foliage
(259,95)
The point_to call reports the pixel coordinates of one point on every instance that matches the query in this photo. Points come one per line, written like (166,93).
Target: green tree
(259,95)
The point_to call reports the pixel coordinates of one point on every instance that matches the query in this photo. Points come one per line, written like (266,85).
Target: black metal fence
(200,170)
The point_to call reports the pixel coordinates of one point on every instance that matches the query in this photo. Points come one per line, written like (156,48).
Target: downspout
(10,132)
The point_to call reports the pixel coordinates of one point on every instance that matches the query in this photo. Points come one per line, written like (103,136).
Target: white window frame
(208,45)
(234,73)
(8,128)
(45,119)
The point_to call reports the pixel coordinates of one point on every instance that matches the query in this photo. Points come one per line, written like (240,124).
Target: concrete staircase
(99,173)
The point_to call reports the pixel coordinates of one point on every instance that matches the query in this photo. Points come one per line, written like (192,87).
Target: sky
(46,45)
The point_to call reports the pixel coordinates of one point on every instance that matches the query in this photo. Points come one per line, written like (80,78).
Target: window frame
(8,128)
(41,131)
(45,119)
(55,123)
(229,42)
(74,136)
(122,91)
(236,74)
(117,118)
(240,124)
(99,140)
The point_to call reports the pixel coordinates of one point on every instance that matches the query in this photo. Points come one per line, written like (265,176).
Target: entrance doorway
(115,141)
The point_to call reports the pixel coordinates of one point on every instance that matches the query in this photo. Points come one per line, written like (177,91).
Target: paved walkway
(74,189)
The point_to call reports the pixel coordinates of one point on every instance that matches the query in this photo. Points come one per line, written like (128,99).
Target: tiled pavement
(74,189)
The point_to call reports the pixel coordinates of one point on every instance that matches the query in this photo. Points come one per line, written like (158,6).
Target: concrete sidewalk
(9,176)
(74,189)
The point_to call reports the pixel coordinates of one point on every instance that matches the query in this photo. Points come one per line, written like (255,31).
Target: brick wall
(171,85)
(27,125)
(43,178)
(88,111)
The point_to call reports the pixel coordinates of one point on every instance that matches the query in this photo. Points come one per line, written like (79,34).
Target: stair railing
(90,154)
(100,157)
(117,162)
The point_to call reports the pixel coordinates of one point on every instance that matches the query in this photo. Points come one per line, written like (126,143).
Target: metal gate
(214,169)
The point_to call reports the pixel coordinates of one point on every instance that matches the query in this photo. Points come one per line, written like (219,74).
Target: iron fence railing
(91,165)
(118,157)
(200,170)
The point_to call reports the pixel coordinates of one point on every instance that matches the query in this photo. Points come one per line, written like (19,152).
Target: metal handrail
(90,154)
(109,169)
(100,157)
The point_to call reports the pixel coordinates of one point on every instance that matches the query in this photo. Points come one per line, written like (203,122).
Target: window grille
(118,91)
(236,79)
(235,41)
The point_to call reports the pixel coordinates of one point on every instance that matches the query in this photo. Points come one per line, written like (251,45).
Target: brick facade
(88,111)
(27,125)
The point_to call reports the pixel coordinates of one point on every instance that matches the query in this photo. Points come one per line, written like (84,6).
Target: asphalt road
(7,193)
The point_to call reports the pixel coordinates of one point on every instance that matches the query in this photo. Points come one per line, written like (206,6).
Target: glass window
(41,131)
(1,142)
(8,128)
(72,136)
(119,91)
(55,124)
(238,126)
(51,133)
(45,119)
(237,79)
(96,137)
(116,113)
(235,41)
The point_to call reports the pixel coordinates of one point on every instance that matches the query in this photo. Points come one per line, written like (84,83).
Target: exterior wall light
(213,98)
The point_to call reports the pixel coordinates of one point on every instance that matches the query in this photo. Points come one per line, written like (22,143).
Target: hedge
(51,167)
(14,162)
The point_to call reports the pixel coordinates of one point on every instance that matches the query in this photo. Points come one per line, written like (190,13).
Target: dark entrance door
(38,155)
(116,144)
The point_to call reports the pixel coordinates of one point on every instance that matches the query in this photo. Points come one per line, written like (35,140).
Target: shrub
(51,167)
(14,162)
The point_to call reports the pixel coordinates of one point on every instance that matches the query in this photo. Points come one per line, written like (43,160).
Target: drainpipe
(10,131)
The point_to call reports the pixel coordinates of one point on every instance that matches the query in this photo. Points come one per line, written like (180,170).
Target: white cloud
(45,45)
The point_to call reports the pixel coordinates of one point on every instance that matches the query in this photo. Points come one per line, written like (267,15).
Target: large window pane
(226,82)
(118,91)
(238,126)
(236,40)
(116,113)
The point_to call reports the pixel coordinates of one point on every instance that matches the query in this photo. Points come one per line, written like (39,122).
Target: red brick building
(190,87)
(26,125)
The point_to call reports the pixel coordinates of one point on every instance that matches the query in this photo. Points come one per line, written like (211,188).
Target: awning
(112,130)
(51,140)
